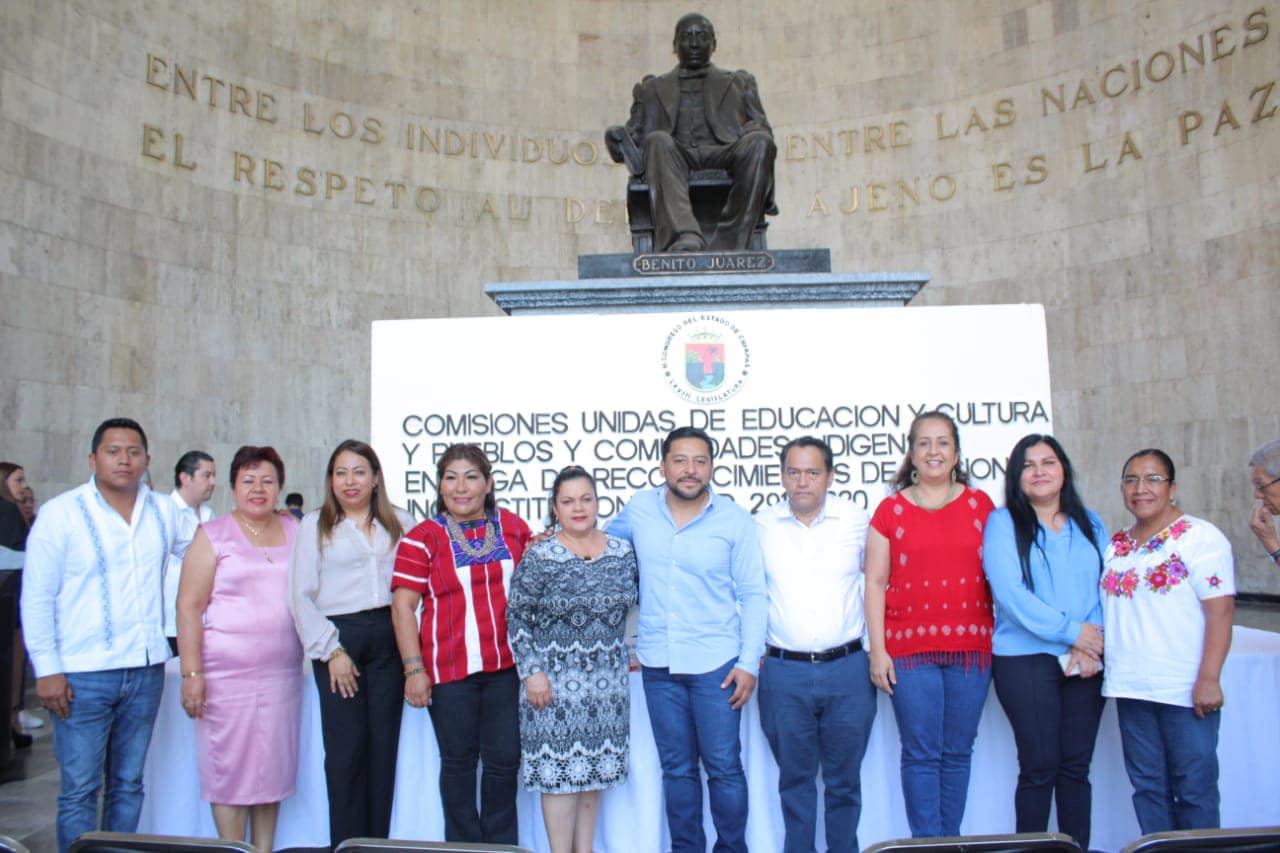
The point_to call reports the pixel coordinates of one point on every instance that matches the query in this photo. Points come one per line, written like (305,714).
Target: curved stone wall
(203,207)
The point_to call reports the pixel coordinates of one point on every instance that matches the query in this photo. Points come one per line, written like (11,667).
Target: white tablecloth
(632,819)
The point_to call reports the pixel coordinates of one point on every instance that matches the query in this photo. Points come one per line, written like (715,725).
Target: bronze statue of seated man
(696,117)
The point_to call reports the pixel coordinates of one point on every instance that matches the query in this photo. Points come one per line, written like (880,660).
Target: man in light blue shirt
(703,614)
(93,617)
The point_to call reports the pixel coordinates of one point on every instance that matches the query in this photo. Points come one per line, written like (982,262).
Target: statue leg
(750,162)
(666,171)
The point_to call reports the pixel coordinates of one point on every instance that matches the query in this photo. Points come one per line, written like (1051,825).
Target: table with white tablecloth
(631,816)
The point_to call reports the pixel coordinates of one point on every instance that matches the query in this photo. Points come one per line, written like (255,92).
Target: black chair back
(12,845)
(383,845)
(1026,842)
(1262,839)
(128,842)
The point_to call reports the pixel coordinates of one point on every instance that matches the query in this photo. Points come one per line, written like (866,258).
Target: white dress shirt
(814,575)
(351,574)
(190,520)
(93,584)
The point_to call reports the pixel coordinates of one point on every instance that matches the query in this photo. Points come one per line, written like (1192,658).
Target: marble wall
(204,206)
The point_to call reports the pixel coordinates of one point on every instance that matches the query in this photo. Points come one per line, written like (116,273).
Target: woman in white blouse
(340,596)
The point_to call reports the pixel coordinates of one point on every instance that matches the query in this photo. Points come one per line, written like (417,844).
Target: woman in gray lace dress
(565,616)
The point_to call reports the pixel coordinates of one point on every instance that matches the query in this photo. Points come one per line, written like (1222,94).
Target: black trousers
(1055,724)
(478,718)
(362,734)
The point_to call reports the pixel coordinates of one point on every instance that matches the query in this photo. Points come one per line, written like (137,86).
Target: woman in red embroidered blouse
(458,565)
(929,620)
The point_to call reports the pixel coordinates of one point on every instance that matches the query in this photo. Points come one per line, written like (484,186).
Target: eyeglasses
(1131,480)
(1265,486)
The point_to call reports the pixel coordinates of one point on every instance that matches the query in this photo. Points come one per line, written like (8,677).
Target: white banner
(601,391)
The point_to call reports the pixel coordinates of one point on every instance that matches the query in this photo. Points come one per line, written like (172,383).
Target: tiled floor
(29,786)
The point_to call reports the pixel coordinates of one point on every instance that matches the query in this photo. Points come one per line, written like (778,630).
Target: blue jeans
(112,712)
(1171,756)
(692,720)
(938,707)
(818,714)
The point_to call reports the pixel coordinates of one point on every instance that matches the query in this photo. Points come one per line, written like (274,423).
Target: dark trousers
(818,715)
(667,165)
(478,718)
(361,734)
(1055,724)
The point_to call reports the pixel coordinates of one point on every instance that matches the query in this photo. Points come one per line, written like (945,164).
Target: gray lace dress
(565,617)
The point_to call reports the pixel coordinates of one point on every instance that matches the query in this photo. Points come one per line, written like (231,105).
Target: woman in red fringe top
(929,620)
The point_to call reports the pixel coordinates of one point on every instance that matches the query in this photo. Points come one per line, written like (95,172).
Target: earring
(1173,502)
(954,475)
(915,476)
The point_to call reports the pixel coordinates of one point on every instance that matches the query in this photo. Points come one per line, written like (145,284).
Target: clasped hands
(1085,655)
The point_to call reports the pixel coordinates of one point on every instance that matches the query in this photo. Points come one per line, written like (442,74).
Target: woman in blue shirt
(1042,554)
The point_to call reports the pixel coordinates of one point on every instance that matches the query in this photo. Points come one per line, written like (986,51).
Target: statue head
(695,40)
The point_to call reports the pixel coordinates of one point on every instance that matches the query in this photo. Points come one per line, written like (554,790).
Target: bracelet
(1275,555)
(415,671)
(192,674)
(337,653)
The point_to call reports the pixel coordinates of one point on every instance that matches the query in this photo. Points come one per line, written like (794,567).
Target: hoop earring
(915,476)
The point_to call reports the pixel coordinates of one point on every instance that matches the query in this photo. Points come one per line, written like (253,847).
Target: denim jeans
(692,720)
(478,719)
(938,707)
(1055,724)
(109,729)
(818,714)
(1171,756)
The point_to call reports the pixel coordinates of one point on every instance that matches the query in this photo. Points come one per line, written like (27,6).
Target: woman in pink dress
(241,659)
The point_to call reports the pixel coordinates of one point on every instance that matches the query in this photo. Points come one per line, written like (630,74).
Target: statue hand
(613,142)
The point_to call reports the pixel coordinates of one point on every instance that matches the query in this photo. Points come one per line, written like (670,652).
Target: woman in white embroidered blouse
(1168,599)
(340,596)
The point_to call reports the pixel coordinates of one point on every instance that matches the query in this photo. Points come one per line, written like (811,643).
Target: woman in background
(13,542)
(1168,598)
(929,620)
(1043,557)
(241,660)
(340,597)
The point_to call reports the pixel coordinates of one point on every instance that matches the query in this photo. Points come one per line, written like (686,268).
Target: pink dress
(247,740)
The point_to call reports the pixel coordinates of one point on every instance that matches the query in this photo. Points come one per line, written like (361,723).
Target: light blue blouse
(1065,574)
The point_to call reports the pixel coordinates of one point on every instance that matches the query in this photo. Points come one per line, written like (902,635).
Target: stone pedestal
(675,282)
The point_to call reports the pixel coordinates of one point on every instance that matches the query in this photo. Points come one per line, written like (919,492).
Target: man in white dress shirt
(194,479)
(817,702)
(93,614)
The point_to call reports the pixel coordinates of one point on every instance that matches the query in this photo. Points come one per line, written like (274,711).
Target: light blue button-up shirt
(702,590)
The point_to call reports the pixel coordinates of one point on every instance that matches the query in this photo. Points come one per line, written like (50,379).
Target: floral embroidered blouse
(1151,593)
